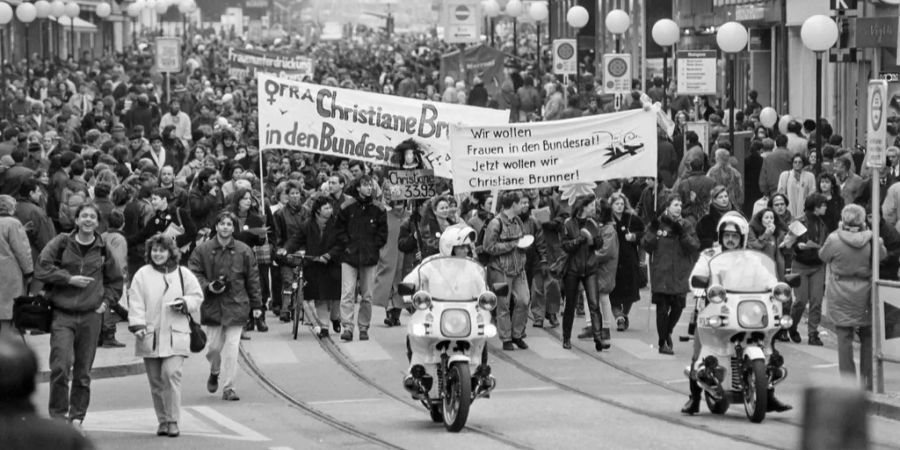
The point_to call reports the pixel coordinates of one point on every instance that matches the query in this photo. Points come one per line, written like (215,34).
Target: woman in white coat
(162,294)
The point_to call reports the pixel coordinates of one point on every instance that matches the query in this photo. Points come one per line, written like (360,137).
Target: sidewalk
(108,363)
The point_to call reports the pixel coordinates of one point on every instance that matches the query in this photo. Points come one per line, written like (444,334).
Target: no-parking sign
(876,129)
(565,60)
(463,20)
(617,73)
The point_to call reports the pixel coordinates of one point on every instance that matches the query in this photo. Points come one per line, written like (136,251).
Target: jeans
(845,354)
(73,344)
(811,291)
(545,296)
(164,375)
(222,352)
(350,278)
(668,313)
(589,283)
(511,324)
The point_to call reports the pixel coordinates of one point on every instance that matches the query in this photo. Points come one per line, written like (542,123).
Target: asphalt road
(331,394)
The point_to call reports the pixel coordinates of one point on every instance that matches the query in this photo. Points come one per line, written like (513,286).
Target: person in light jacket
(16,265)
(847,254)
(162,293)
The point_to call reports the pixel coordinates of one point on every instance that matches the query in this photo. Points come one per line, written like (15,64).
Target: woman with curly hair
(436,218)
(161,296)
(630,230)
(828,186)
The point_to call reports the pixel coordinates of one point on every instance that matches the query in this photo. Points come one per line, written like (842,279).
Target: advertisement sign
(414,184)
(876,127)
(617,73)
(555,153)
(463,20)
(168,54)
(359,125)
(696,72)
(247,63)
(565,56)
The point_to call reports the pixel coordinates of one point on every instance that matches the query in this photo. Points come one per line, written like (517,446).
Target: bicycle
(292,293)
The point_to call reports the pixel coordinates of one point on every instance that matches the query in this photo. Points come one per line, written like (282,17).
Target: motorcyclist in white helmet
(732,232)
(459,242)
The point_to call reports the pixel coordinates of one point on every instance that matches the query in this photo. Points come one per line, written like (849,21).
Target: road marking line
(677,380)
(531,389)
(271,352)
(280,448)
(365,351)
(549,348)
(244,433)
(349,400)
(824,366)
(640,349)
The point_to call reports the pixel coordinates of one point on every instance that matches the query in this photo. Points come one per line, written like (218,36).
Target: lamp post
(491,10)
(133,11)
(819,33)
(188,7)
(665,33)
(103,11)
(732,38)
(42,7)
(72,12)
(57,10)
(161,7)
(513,10)
(617,22)
(26,13)
(6,14)
(539,12)
(577,17)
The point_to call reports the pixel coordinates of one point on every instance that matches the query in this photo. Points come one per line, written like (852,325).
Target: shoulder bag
(198,336)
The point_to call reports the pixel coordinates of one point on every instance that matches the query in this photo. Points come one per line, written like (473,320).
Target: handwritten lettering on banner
(542,154)
(414,184)
(360,125)
(243,63)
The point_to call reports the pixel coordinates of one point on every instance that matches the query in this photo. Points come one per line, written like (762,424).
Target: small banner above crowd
(557,153)
(360,125)
(243,63)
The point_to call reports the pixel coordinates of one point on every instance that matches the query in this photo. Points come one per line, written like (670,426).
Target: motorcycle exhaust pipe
(779,374)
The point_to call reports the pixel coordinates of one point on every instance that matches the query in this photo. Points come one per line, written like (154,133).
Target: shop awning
(81,25)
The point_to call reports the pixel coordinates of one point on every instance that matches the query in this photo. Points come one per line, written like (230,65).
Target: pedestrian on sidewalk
(16,265)
(162,293)
(86,281)
(229,277)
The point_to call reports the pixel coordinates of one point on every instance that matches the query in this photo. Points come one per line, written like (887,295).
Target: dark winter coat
(63,258)
(236,262)
(362,231)
(204,207)
(707,230)
(673,246)
(323,280)
(627,281)
(583,260)
(817,231)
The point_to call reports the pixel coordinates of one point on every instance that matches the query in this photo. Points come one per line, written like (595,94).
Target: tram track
(316,414)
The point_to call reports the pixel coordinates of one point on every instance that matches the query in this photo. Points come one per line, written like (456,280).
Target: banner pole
(877,307)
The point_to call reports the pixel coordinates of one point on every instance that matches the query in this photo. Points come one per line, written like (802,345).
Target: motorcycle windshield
(452,279)
(743,271)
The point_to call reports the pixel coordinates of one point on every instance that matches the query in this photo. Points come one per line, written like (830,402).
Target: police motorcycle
(448,331)
(738,312)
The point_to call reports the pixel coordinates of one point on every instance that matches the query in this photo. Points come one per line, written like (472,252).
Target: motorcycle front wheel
(756,386)
(458,396)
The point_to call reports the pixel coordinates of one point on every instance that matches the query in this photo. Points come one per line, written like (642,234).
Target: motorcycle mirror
(406,289)
(792,280)
(699,281)
(501,289)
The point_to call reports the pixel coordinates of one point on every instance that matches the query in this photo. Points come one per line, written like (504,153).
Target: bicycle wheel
(297,309)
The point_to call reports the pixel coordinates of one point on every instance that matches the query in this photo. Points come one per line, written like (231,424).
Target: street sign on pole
(617,73)
(463,20)
(696,72)
(168,54)
(876,129)
(565,60)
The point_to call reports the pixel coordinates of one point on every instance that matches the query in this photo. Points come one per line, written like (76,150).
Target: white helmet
(455,236)
(733,221)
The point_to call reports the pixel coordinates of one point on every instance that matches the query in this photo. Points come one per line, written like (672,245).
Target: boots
(261,323)
(693,404)
(605,340)
(814,339)
(774,405)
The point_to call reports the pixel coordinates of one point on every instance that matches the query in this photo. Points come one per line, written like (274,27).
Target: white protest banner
(243,63)
(556,153)
(360,125)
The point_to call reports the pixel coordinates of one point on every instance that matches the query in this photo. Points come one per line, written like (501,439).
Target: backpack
(67,211)
(483,256)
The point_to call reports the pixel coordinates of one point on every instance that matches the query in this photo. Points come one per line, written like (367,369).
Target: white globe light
(57,8)
(665,32)
(133,10)
(768,117)
(514,8)
(26,12)
(162,7)
(617,21)
(732,37)
(72,9)
(150,5)
(819,33)
(43,9)
(6,13)
(539,11)
(103,10)
(577,17)
(491,8)
(783,123)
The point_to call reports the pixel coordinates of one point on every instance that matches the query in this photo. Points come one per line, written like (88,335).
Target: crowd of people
(168,207)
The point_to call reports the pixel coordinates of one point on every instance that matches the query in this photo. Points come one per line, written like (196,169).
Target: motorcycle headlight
(715,321)
(487,301)
(421,300)
(752,314)
(455,323)
(781,292)
(786,322)
(716,294)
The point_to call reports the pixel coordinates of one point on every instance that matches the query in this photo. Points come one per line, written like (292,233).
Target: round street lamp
(513,10)
(43,11)
(819,33)
(103,10)
(577,17)
(617,22)
(665,33)
(57,8)
(26,13)
(72,11)
(6,15)
(491,11)
(539,12)
(732,38)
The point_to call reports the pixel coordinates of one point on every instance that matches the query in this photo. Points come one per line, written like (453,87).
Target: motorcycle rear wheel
(458,396)
(756,389)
